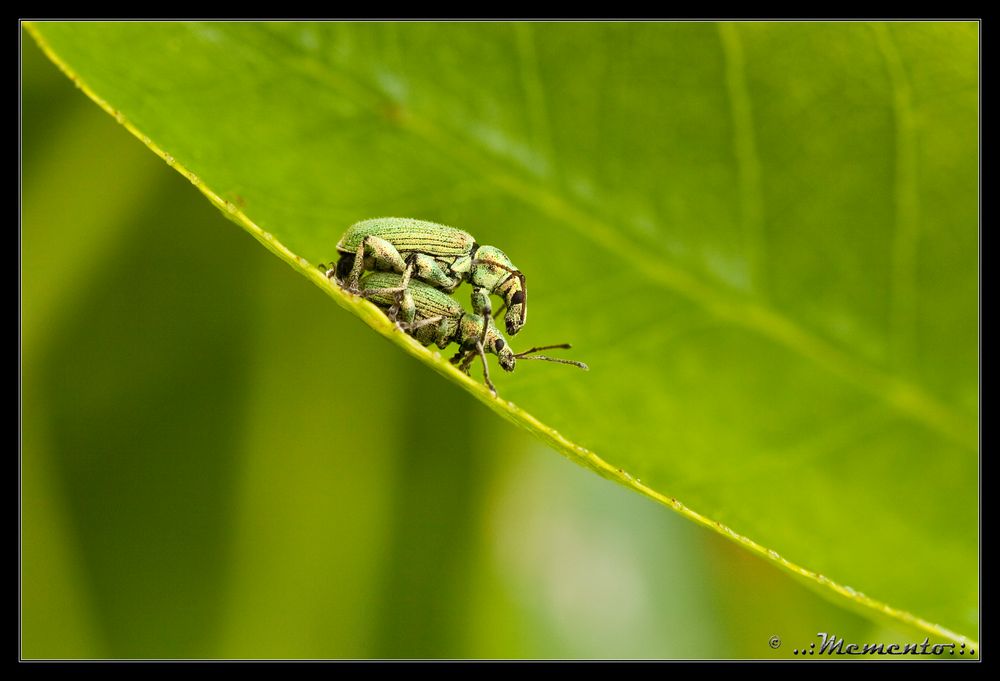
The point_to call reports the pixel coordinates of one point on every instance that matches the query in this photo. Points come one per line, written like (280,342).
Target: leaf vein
(745,150)
(534,91)
(906,227)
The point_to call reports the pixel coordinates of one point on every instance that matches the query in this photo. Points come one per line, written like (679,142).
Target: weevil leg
(482,306)
(329,270)
(386,258)
(359,266)
(402,296)
(404,299)
(413,326)
(375,292)
(486,368)
(404,281)
(407,306)
(426,268)
(467,357)
(393,314)
(405,310)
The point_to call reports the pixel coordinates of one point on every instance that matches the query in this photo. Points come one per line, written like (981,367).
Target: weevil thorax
(491,268)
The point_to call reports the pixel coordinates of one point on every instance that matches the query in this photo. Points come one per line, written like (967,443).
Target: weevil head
(471,331)
(494,271)
(498,346)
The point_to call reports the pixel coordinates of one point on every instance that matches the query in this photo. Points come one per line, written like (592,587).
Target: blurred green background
(202,475)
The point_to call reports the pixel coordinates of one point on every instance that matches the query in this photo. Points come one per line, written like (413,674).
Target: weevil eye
(516,299)
(498,345)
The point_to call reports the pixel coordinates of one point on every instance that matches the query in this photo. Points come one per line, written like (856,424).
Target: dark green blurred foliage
(219,462)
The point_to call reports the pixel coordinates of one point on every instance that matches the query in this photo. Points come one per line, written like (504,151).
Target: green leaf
(761,237)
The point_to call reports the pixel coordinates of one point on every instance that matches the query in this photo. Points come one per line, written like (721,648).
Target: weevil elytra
(435,317)
(438,255)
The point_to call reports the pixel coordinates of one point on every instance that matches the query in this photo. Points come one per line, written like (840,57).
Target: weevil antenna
(538,348)
(572,362)
(564,346)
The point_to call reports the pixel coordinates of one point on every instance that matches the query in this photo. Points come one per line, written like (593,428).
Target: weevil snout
(516,312)
(515,296)
(507,360)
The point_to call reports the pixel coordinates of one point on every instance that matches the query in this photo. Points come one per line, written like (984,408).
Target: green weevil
(436,317)
(441,256)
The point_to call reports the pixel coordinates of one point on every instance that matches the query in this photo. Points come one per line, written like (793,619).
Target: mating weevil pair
(438,259)
(441,256)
